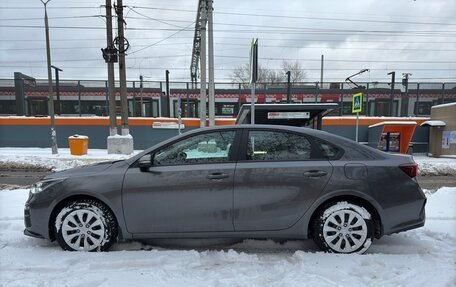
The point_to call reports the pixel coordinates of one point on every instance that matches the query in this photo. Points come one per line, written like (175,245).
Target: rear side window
(277,146)
(327,150)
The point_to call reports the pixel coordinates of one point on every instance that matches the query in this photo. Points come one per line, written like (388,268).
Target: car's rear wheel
(85,225)
(343,227)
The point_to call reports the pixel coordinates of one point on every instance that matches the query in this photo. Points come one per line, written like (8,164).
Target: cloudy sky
(418,37)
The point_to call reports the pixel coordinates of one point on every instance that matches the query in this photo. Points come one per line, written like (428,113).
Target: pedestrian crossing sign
(357,105)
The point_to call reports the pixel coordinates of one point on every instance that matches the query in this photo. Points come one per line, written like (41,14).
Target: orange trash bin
(78,144)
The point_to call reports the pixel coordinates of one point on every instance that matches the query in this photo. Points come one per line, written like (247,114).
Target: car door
(188,188)
(277,180)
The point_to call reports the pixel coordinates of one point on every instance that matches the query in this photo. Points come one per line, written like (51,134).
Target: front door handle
(217,175)
(315,173)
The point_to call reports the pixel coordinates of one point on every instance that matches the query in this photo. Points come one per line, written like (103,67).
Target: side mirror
(145,162)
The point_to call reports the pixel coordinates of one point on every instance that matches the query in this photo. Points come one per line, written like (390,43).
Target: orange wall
(104,121)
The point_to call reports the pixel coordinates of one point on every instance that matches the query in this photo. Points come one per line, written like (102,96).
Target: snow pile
(42,158)
(421,257)
(435,166)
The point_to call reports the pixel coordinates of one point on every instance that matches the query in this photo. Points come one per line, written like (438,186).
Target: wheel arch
(352,198)
(63,202)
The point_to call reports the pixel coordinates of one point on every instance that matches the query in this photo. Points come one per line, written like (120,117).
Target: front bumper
(36,217)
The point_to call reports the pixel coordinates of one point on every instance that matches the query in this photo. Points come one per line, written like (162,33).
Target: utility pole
(210,35)
(321,72)
(57,88)
(50,93)
(393,75)
(122,70)
(111,59)
(203,21)
(288,87)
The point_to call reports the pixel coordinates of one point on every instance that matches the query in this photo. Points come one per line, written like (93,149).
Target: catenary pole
(203,20)
(210,35)
(111,79)
(122,69)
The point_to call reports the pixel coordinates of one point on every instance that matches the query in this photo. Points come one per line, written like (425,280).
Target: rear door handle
(315,173)
(217,175)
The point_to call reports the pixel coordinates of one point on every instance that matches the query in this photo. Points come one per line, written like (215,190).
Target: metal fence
(83,97)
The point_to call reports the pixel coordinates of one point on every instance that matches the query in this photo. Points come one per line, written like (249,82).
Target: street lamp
(51,97)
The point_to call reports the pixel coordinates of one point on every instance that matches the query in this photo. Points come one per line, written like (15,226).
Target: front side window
(204,148)
(277,146)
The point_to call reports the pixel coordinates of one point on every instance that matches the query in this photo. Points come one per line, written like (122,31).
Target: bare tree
(297,74)
(241,74)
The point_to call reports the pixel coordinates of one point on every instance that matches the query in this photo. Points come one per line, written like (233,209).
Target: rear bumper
(405,217)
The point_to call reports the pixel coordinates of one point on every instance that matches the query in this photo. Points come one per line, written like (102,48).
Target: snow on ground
(421,257)
(42,158)
(436,166)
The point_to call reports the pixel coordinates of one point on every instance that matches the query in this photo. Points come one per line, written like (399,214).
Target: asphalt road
(22,178)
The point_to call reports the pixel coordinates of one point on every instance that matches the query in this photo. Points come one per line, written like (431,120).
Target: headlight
(42,185)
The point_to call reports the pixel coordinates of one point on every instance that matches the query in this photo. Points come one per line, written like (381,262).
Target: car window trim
(231,156)
(242,157)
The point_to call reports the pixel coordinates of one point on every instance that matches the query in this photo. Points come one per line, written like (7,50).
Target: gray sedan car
(244,181)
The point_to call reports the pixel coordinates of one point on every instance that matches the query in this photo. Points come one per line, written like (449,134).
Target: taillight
(410,169)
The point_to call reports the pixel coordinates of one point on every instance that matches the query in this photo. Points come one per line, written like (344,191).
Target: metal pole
(134,99)
(341,92)
(187,110)
(50,93)
(166,105)
(106,97)
(321,72)
(357,122)
(111,79)
(122,70)
(79,97)
(57,88)
(442,101)
(393,74)
(367,99)
(252,104)
(210,35)
(203,66)
(179,111)
(288,87)
(417,105)
(141,94)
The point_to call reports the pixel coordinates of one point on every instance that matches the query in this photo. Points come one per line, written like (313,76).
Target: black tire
(343,227)
(85,225)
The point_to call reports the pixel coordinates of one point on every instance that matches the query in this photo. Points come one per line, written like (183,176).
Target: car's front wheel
(85,225)
(343,227)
